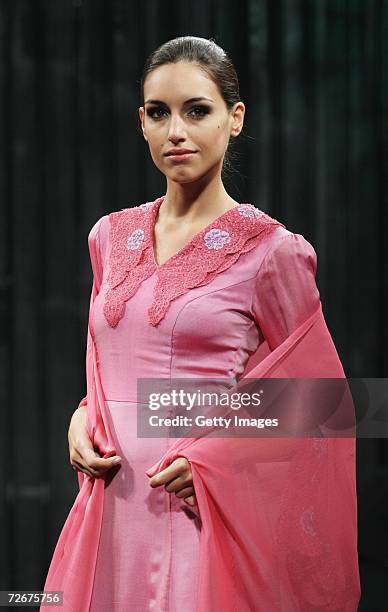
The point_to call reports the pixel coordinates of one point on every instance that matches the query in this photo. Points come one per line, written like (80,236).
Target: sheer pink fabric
(278,515)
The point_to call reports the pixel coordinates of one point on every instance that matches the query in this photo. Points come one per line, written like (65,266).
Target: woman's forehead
(180,81)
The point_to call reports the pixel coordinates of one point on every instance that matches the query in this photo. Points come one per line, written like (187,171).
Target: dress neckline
(211,251)
(188,245)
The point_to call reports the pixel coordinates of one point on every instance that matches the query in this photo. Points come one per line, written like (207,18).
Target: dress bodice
(211,328)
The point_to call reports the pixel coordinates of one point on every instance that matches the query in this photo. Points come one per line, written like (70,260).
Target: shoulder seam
(271,248)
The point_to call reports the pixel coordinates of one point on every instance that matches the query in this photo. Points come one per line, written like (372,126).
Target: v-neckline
(186,246)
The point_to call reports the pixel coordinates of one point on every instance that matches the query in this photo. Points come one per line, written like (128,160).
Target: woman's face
(171,119)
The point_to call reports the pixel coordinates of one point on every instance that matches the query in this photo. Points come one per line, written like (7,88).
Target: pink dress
(203,313)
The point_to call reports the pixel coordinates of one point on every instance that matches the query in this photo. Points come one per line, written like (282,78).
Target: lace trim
(211,251)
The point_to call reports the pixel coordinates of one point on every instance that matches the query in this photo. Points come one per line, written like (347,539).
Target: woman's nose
(176,128)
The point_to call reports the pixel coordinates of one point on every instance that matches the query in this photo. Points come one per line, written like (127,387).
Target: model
(194,284)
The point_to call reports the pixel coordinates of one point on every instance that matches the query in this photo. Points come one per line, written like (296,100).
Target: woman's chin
(183,176)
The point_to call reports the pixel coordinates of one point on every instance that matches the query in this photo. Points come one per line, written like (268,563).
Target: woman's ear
(238,119)
(141,117)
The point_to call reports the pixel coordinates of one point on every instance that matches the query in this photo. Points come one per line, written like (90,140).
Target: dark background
(314,78)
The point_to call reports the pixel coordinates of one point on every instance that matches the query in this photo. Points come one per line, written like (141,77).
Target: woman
(195,284)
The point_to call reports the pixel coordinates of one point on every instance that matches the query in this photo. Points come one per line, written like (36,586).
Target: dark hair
(212,59)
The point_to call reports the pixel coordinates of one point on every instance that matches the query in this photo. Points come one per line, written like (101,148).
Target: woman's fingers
(188,493)
(185,492)
(83,457)
(182,485)
(83,467)
(80,467)
(191,500)
(97,463)
(88,461)
(178,483)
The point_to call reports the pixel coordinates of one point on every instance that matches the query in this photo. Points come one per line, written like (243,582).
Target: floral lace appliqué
(247,210)
(216,238)
(307,522)
(135,239)
(208,253)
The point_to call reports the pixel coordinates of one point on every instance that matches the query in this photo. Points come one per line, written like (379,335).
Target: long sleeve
(94,242)
(286,293)
(285,296)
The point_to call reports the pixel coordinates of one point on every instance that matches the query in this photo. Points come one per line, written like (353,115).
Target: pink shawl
(302,556)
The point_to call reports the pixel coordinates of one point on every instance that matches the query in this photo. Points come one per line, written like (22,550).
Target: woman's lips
(181,156)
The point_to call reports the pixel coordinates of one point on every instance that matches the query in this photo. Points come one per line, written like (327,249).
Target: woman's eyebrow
(186,102)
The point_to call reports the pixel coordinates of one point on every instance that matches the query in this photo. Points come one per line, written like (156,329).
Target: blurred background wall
(314,78)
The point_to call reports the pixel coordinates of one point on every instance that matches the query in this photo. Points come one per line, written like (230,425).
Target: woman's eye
(203,110)
(151,112)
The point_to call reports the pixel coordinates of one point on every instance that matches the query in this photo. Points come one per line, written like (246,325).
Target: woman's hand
(82,454)
(178,479)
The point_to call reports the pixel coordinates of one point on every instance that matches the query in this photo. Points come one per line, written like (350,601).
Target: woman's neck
(195,204)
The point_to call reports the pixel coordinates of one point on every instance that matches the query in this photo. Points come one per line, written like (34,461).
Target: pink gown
(158,325)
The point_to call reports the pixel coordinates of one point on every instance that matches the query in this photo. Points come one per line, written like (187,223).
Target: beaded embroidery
(216,238)
(135,239)
(247,210)
(210,252)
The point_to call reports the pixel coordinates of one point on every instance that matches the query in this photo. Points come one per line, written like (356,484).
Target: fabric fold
(309,562)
